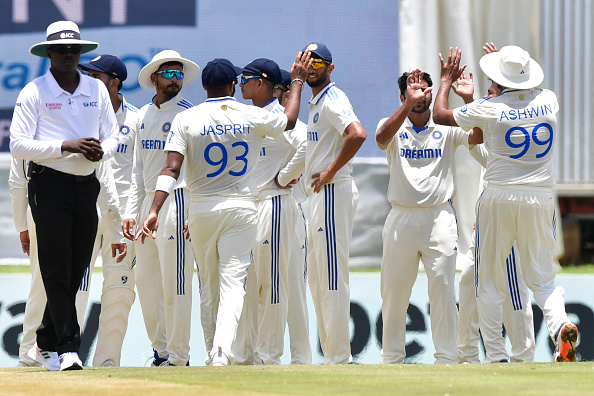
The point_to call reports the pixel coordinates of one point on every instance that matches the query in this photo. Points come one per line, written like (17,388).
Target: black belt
(36,169)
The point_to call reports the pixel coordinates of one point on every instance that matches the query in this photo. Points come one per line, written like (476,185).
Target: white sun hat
(62,32)
(512,67)
(191,69)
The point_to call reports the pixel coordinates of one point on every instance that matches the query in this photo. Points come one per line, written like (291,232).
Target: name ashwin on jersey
(530,112)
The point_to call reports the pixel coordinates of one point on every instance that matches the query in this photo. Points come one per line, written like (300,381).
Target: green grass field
(482,379)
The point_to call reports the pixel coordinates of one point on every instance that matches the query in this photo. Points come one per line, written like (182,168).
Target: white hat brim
(490,66)
(39,49)
(191,70)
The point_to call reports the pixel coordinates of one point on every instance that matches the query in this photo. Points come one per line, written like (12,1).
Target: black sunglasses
(65,49)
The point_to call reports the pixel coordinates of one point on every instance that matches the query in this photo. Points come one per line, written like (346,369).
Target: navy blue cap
(286,79)
(266,68)
(320,50)
(108,64)
(219,72)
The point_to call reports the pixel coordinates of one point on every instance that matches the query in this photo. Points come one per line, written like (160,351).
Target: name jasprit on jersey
(223,129)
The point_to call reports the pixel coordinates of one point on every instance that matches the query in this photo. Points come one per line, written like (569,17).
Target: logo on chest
(166,127)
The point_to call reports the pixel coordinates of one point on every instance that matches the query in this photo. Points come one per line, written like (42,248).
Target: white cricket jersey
(519,129)
(284,156)
(45,115)
(330,113)
(221,140)
(151,126)
(422,164)
(123,158)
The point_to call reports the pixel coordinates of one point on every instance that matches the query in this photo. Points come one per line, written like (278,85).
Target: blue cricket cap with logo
(109,64)
(219,72)
(265,68)
(320,50)
(286,79)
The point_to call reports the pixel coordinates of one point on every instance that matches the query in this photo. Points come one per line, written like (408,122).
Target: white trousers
(298,316)
(517,311)
(164,271)
(525,215)
(410,235)
(223,234)
(268,305)
(330,219)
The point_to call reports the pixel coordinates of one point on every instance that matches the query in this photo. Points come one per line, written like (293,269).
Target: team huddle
(221,184)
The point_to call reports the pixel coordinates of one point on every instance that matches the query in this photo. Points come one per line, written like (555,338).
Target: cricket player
(165,265)
(221,140)
(280,164)
(334,135)
(298,315)
(517,307)
(118,277)
(422,223)
(518,128)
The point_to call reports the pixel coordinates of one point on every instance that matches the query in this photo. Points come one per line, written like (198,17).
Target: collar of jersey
(271,105)
(319,96)
(426,127)
(56,90)
(220,99)
(168,103)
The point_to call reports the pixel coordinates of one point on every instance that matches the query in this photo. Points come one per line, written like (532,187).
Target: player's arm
(298,77)
(464,88)
(450,72)
(385,133)
(165,182)
(355,136)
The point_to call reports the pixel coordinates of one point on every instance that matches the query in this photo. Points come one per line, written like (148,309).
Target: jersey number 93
(216,154)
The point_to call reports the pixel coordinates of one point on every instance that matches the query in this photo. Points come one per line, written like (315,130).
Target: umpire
(63,123)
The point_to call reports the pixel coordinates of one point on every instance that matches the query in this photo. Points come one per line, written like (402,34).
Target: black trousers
(65,212)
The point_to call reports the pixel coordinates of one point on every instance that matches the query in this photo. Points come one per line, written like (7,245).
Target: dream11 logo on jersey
(36,15)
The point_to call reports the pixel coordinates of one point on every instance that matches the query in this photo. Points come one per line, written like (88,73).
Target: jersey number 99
(222,153)
(525,142)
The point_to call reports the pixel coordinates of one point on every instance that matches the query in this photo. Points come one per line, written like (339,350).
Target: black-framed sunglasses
(168,74)
(64,49)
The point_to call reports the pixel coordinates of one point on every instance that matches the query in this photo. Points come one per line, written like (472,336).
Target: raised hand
(414,87)
(464,87)
(450,69)
(490,47)
(300,66)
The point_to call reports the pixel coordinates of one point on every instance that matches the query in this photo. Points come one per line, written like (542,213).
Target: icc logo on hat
(312,47)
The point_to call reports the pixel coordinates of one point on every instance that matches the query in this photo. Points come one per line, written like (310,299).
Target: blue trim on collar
(324,92)
(220,99)
(420,130)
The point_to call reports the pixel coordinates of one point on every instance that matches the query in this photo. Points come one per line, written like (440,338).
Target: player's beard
(421,110)
(321,80)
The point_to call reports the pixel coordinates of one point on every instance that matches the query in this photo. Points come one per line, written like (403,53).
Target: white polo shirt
(46,115)
(124,155)
(519,128)
(221,140)
(151,126)
(422,164)
(330,113)
(284,156)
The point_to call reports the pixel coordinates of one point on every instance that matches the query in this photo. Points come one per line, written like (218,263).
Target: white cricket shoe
(47,359)
(220,359)
(70,361)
